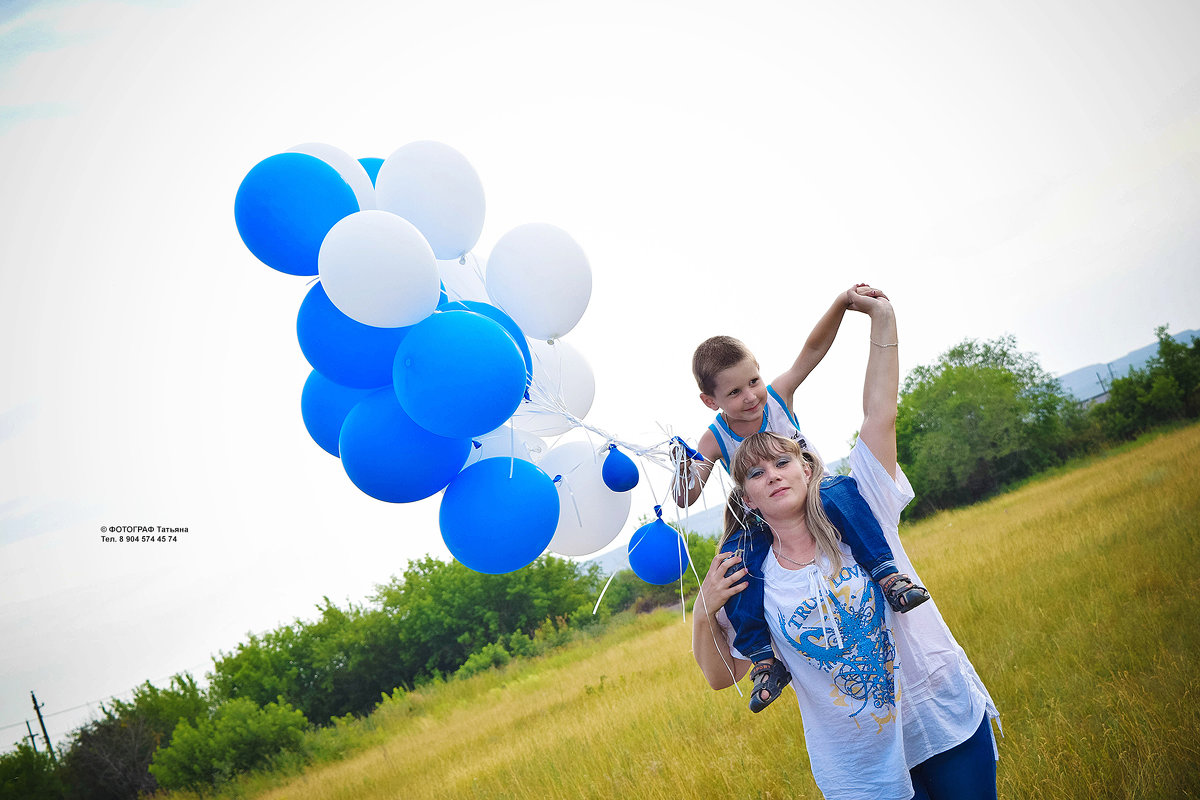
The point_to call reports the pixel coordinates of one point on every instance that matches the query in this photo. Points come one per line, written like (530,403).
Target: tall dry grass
(1076,597)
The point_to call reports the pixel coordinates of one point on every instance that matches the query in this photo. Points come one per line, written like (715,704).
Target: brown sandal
(902,594)
(772,677)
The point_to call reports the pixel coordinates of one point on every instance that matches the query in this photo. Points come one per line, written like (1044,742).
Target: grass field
(1076,597)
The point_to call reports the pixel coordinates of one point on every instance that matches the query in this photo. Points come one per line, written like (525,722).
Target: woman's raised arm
(882,385)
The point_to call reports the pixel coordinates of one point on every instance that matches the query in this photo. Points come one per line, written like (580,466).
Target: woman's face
(777,487)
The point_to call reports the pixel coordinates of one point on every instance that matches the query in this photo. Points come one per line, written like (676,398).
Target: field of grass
(1076,597)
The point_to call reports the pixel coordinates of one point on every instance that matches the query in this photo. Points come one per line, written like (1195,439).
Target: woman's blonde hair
(765,447)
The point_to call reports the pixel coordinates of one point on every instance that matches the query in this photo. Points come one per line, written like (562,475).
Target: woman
(892,709)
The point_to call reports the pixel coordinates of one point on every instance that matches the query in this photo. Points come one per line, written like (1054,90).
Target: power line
(101,701)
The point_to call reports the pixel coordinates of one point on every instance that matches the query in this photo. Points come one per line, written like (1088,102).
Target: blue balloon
(657,553)
(324,406)
(371,165)
(499,515)
(458,374)
(619,472)
(392,458)
(285,206)
(496,315)
(342,349)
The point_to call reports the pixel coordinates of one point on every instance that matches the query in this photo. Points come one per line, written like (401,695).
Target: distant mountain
(1090,382)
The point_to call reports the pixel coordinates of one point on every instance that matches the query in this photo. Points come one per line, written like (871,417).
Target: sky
(1016,167)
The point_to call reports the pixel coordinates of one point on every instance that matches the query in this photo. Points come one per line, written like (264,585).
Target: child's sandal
(902,594)
(772,677)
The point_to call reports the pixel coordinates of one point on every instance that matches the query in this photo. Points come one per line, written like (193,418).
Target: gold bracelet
(877,344)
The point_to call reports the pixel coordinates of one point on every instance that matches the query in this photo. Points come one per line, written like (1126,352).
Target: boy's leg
(746,613)
(850,514)
(745,609)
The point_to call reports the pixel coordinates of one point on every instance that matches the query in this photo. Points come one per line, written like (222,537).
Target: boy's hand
(861,297)
(681,451)
(819,341)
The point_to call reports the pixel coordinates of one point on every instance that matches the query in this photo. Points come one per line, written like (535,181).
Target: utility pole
(32,738)
(42,722)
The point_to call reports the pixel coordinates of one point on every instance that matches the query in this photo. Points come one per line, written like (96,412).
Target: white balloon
(463,278)
(378,269)
(347,166)
(590,515)
(562,379)
(539,276)
(506,442)
(435,188)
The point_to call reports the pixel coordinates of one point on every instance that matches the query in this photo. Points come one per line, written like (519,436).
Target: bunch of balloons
(430,371)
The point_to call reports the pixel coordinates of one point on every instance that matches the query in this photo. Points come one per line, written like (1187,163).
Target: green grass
(1075,596)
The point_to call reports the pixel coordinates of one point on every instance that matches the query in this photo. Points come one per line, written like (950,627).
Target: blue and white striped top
(776,419)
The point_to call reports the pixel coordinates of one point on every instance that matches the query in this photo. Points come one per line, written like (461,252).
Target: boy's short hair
(714,355)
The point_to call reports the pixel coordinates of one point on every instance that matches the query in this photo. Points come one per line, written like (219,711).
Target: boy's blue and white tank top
(776,419)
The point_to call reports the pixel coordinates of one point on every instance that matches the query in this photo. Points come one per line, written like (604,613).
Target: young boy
(729,381)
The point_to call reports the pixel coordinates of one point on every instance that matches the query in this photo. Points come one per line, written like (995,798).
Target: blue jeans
(849,513)
(964,772)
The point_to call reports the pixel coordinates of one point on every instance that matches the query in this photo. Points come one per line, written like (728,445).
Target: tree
(426,623)
(1178,366)
(28,774)
(1166,389)
(448,611)
(983,416)
(108,759)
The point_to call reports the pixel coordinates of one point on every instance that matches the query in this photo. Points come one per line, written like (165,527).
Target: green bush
(26,774)
(488,656)
(239,737)
(1167,389)
(520,645)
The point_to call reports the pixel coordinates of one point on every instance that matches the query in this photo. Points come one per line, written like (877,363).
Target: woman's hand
(859,295)
(867,300)
(716,588)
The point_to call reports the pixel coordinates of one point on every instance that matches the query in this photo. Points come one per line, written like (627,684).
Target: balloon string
(475,268)
(717,644)
(574,502)
(541,399)
(661,454)
(676,477)
(649,483)
(610,579)
(618,569)
(605,589)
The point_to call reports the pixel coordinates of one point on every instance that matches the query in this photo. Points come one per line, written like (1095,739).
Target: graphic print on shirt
(842,634)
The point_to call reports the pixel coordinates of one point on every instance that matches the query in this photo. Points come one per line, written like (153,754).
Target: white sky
(998,167)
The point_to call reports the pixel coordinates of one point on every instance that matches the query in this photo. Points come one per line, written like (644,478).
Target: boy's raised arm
(819,340)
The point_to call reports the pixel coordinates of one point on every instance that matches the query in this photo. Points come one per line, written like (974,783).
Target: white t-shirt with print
(879,692)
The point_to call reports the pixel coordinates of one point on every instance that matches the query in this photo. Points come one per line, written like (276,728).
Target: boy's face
(740,392)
